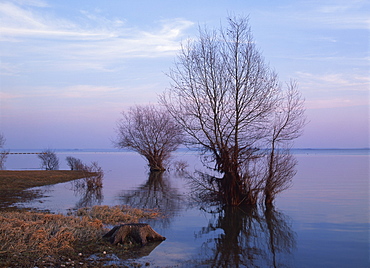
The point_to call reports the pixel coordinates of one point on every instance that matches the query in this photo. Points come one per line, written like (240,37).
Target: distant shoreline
(112,150)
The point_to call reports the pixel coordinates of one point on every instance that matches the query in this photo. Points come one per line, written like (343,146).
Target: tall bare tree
(150,131)
(49,160)
(224,95)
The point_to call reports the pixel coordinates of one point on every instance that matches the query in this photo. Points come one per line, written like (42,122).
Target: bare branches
(288,119)
(74,163)
(49,160)
(3,156)
(2,140)
(3,153)
(230,102)
(286,125)
(279,174)
(151,132)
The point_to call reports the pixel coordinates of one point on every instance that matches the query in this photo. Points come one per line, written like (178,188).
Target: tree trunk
(232,189)
(269,197)
(155,163)
(140,232)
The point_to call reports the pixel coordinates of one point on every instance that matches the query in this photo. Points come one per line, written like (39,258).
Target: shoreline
(14,183)
(40,238)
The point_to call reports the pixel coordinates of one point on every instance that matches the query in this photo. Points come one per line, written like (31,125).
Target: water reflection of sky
(329,189)
(326,211)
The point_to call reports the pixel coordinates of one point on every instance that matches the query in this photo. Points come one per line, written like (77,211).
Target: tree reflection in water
(89,189)
(155,193)
(255,236)
(252,237)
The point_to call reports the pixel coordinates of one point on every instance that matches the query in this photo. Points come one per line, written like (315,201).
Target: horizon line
(116,149)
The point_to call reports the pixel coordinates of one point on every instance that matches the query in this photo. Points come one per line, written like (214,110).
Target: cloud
(342,15)
(330,14)
(7,69)
(90,41)
(338,81)
(334,90)
(86,91)
(332,103)
(8,96)
(36,3)
(78,96)
(75,91)
(13,17)
(18,22)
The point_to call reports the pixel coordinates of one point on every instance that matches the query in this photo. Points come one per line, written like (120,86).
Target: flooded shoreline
(325,206)
(15,185)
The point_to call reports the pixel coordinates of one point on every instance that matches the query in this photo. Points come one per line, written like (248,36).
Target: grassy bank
(14,182)
(34,239)
(18,180)
(40,239)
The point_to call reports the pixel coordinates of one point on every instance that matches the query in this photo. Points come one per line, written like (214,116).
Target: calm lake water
(322,221)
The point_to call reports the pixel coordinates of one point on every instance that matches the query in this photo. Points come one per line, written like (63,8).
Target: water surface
(322,221)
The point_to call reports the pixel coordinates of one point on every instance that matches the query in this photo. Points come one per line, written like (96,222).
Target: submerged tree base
(157,169)
(228,191)
(141,233)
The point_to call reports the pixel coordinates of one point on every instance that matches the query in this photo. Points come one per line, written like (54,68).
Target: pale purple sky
(68,68)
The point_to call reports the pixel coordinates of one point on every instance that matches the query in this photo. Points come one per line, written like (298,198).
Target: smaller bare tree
(150,131)
(2,140)
(49,160)
(287,125)
(74,163)
(3,153)
(95,181)
(180,166)
(281,170)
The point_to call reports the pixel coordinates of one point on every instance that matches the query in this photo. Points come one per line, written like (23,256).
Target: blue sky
(68,68)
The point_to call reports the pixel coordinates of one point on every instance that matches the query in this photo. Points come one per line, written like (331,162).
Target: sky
(69,68)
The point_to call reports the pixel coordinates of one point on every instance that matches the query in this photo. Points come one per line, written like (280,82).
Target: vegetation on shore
(40,239)
(14,182)
(17,180)
(37,239)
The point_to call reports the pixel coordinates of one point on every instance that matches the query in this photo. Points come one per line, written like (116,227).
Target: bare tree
(74,163)
(2,140)
(224,96)
(287,124)
(49,160)
(3,156)
(3,153)
(151,132)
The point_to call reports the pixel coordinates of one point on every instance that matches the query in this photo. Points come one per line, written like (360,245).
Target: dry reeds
(28,238)
(45,234)
(117,214)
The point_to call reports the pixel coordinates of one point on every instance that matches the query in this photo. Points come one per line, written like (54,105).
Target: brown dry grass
(117,214)
(18,180)
(40,233)
(38,239)
(27,239)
